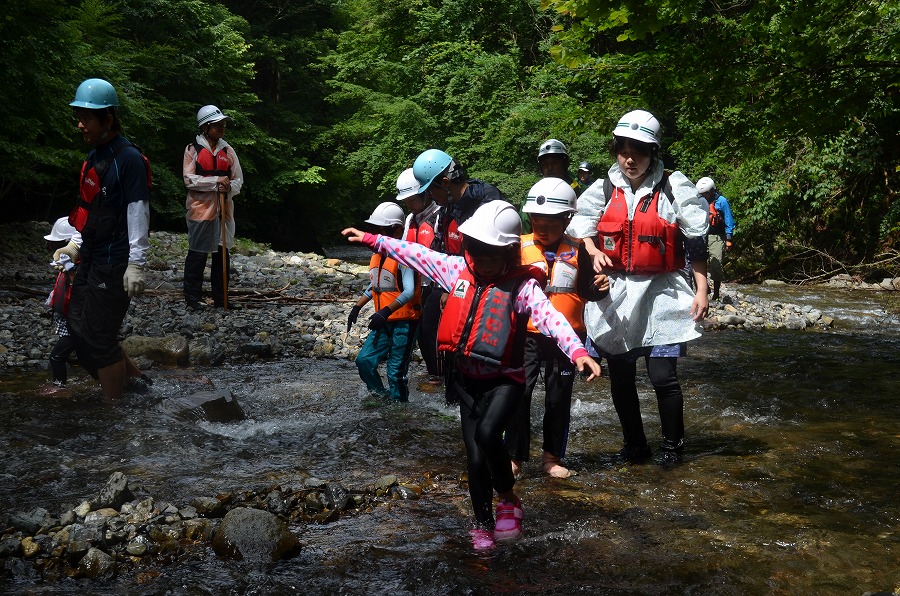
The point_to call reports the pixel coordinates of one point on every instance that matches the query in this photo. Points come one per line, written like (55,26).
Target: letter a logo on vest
(459,290)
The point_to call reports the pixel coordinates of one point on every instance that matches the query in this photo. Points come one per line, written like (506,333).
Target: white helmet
(639,125)
(387,214)
(552,146)
(496,223)
(705,184)
(208,115)
(550,196)
(62,230)
(407,185)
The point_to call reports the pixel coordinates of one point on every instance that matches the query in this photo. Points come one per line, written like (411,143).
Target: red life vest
(423,232)
(62,292)
(480,322)
(90,185)
(384,273)
(645,245)
(452,238)
(212,165)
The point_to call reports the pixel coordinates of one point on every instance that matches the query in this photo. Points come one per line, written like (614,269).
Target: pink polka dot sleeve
(532,301)
(437,266)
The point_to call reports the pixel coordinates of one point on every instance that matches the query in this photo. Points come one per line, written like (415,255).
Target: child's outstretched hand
(601,282)
(586,362)
(353,235)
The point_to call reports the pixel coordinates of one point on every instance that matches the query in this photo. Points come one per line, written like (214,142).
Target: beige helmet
(496,223)
(386,214)
(550,196)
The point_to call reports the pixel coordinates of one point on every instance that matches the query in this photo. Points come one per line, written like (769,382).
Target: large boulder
(254,535)
(216,405)
(171,350)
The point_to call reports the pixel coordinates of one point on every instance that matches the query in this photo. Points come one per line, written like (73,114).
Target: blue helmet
(430,164)
(95,94)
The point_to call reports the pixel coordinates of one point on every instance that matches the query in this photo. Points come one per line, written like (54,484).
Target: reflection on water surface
(788,487)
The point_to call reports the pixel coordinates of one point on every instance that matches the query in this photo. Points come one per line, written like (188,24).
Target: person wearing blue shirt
(111,218)
(721,231)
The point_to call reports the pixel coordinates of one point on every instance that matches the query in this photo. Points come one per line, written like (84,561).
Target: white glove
(134,280)
(70,249)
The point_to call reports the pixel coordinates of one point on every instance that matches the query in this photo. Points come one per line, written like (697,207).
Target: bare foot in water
(553,467)
(516,469)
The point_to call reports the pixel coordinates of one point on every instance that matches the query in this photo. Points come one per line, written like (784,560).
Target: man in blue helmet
(445,180)
(112,216)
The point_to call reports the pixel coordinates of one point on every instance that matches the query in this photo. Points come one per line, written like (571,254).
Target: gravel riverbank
(283,305)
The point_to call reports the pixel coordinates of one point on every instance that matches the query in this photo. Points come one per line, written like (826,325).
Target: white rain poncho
(643,310)
(204,226)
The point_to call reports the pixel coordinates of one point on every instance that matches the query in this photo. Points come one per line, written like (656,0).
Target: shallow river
(789,484)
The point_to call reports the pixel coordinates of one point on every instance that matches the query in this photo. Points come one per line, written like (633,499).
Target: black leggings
(431,316)
(543,355)
(194,266)
(485,408)
(59,358)
(663,376)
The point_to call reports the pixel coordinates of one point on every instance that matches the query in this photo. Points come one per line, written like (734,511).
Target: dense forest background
(793,107)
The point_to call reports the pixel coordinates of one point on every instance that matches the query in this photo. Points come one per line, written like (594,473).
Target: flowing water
(789,484)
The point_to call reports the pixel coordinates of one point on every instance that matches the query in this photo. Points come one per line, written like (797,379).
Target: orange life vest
(646,244)
(562,274)
(384,273)
(480,321)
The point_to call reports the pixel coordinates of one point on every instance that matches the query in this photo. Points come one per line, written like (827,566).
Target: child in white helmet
(397,294)
(58,300)
(421,227)
(482,330)
(570,281)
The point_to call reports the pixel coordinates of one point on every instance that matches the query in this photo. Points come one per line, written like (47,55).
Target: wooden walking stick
(222,198)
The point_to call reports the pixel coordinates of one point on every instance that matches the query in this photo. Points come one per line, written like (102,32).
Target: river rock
(205,351)
(731,320)
(30,548)
(96,563)
(114,494)
(254,535)
(794,322)
(139,546)
(209,506)
(77,539)
(213,406)
(10,547)
(336,496)
(31,522)
(169,350)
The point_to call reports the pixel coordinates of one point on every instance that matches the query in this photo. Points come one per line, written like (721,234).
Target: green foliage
(792,107)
